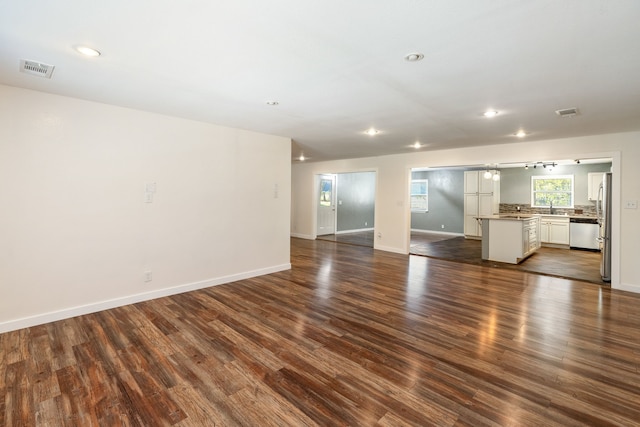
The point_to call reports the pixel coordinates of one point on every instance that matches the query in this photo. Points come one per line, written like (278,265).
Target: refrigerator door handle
(599,203)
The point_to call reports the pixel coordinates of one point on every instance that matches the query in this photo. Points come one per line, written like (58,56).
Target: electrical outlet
(631,204)
(442,226)
(148,197)
(148,276)
(365,223)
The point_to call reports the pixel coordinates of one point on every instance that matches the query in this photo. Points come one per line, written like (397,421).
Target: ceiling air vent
(568,112)
(36,68)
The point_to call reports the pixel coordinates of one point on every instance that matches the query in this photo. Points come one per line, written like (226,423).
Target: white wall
(392,210)
(75,235)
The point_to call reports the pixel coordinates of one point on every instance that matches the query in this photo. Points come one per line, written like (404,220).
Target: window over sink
(552,191)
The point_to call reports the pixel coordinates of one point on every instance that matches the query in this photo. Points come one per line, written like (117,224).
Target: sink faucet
(551,211)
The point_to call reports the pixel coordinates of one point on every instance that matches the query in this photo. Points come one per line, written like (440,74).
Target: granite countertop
(564,216)
(514,216)
(509,217)
(561,215)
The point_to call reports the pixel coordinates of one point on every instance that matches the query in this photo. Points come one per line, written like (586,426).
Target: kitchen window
(419,195)
(556,191)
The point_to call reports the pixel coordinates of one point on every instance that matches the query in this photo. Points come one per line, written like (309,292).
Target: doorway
(446,237)
(346,207)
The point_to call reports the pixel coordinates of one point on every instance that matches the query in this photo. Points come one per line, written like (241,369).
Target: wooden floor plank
(348,336)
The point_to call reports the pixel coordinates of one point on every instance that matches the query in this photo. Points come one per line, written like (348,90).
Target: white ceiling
(336,67)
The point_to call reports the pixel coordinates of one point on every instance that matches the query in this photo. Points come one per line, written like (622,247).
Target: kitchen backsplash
(582,210)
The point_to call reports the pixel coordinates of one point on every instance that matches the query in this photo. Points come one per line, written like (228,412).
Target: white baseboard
(628,288)
(66,313)
(447,233)
(303,236)
(390,249)
(354,231)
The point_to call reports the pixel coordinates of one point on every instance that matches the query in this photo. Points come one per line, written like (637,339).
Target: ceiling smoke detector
(568,112)
(36,68)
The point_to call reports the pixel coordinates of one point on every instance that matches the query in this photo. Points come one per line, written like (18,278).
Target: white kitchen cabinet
(530,242)
(510,240)
(471,182)
(554,230)
(481,198)
(594,179)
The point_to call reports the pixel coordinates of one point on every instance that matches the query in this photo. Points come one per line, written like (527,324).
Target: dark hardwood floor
(568,264)
(359,238)
(565,263)
(348,336)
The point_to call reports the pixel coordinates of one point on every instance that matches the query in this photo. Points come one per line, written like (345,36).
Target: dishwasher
(583,233)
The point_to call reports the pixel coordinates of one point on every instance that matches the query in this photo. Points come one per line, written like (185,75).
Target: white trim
(67,313)
(303,236)
(627,288)
(448,233)
(354,231)
(390,249)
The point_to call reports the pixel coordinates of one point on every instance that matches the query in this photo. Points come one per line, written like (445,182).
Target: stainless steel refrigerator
(603,209)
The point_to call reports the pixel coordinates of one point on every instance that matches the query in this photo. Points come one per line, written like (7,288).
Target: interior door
(327,205)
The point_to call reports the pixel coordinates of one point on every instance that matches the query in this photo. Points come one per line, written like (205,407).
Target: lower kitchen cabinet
(509,240)
(554,230)
(530,242)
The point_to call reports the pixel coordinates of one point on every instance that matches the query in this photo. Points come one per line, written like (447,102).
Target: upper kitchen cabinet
(594,179)
(474,182)
(481,198)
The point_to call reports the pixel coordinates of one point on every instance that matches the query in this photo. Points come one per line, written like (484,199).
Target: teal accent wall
(515,183)
(356,200)
(446,201)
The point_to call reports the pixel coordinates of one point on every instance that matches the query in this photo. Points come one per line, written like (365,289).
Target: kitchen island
(509,238)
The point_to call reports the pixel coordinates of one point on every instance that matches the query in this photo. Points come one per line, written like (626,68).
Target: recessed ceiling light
(87,51)
(520,134)
(372,132)
(301,158)
(272,103)
(490,113)
(414,57)
(417,145)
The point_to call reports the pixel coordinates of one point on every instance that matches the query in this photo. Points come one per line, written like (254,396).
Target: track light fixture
(544,165)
